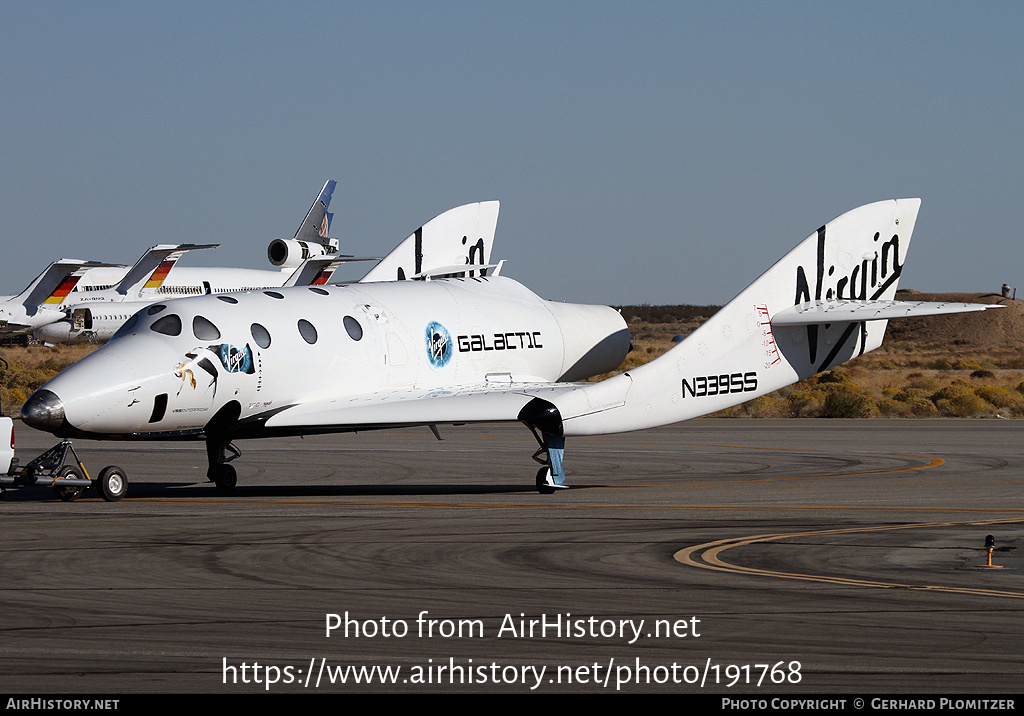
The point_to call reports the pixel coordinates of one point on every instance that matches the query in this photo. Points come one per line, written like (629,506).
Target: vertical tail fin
(42,300)
(859,256)
(739,353)
(53,285)
(316,225)
(151,270)
(459,237)
(312,238)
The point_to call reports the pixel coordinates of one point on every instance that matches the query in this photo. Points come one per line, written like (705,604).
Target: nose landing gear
(219,471)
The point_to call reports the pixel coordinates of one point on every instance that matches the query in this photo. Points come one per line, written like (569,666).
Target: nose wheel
(225,478)
(219,471)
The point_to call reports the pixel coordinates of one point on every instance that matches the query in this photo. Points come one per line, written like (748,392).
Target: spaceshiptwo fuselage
(473,346)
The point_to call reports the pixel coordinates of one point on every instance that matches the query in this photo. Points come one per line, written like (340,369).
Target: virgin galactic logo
(439,344)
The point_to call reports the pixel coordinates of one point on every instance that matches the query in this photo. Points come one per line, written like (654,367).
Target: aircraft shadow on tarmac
(199,490)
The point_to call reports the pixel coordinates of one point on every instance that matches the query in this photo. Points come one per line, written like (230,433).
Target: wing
(484,402)
(851,311)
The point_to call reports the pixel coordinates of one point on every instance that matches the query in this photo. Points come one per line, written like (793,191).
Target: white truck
(7,461)
(6,444)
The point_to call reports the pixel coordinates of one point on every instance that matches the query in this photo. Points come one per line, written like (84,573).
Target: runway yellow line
(708,556)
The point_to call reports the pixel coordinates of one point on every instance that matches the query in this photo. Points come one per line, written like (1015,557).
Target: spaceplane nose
(43,411)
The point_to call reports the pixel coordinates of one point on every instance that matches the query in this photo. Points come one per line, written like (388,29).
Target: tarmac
(752,557)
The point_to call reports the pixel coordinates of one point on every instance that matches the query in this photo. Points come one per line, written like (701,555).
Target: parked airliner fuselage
(185,367)
(96,317)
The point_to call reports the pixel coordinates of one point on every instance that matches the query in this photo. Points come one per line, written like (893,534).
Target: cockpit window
(168,325)
(261,335)
(307,331)
(228,299)
(273,294)
(153,310)
(321,291)
(204,329)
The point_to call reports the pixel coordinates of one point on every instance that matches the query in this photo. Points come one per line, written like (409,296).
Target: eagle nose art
(43,411)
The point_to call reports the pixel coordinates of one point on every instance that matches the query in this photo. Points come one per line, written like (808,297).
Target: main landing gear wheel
(546,484)
(543,478)
(112,483)
(225,478)
(69,493)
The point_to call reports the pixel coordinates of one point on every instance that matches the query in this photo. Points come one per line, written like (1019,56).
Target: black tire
(112,483)
(542,481)
(69,493)
(226,478)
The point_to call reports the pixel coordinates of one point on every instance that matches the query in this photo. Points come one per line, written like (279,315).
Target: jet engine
(289,253)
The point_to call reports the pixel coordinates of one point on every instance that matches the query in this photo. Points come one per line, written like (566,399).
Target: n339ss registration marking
(708,385)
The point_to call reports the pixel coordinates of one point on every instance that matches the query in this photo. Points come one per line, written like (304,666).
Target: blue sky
(642,152)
